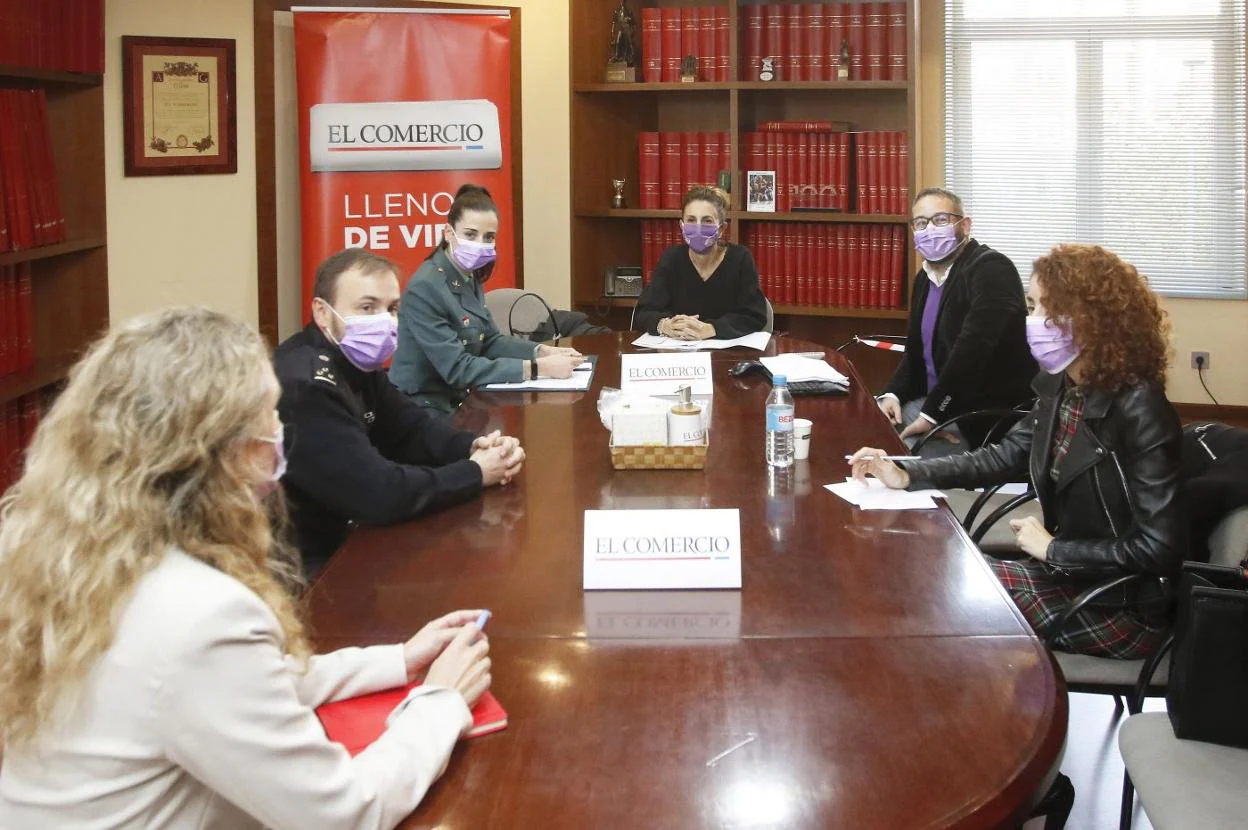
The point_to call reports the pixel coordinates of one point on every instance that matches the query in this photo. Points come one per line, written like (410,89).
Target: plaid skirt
(1042,597)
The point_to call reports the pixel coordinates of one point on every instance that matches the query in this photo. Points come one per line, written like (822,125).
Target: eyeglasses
(940,220)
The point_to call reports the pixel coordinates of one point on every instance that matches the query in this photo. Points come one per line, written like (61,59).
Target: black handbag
(1209,667)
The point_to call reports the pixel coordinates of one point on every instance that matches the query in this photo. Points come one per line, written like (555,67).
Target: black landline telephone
(622,281)
(796,388)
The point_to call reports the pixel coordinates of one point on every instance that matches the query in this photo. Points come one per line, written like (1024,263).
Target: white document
(758,340)
(664,374)
(653,549)
(579,382)
(796,368)
(873,495)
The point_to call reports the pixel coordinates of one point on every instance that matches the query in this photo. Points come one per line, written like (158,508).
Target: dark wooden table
(887,678)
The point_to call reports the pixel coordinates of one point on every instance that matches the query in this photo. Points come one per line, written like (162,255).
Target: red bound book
(857,26)
(807,193)
(823,197)
(896,51)
(875,171)
(689,36)
(789,253)
(771,158)
(876,41)
(752,38)
(817,42)
(691,169)
(790,172)
(21,225)
(755,157)
(722,39)
(842,174)
(651,45)
(801,264)
(36,146)
(903,170)
(776,279)
(841,254)
(358,721)
(669,170)
(725,155)
(897,264)
(795,21)
(810,273)
(835,23)
(827,266)
(56,216)
(706,44)
(96,63)
(4,213)
(646,242)
(773,38)
(875,268)
(860,173)
(710,159)
(857,251)
(670,18)
(25,317)
(889,167)
(8,319)
(650,170)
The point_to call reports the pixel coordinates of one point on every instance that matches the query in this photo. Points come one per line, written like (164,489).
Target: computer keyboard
(817,387)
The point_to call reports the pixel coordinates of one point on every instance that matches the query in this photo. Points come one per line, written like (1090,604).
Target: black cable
(554,325)
(1200,373)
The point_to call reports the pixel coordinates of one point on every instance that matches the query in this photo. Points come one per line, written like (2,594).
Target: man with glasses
(966,347)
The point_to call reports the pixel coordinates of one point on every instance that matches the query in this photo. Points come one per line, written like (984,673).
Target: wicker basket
(658,458)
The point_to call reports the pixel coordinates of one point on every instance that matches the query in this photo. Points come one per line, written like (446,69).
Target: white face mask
(279,457)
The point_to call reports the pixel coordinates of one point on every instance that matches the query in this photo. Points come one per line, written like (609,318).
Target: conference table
(871,672)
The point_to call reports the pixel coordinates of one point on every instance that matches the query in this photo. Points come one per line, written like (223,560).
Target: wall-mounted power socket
(1200,360)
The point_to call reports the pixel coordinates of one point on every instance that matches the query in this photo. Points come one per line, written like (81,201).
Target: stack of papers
(757,340)
(797,368)
(873,495)
(579,382)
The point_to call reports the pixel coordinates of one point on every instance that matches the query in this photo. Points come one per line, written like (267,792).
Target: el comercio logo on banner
(405,135)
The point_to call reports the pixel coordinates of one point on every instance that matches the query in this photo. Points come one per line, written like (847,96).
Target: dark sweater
(979,345)
(731,300)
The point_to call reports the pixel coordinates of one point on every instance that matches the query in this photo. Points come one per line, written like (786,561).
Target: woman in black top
(707,287)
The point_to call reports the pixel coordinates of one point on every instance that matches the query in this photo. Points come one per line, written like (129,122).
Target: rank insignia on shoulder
(325,374)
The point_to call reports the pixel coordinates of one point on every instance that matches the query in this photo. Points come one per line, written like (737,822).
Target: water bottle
(780,423)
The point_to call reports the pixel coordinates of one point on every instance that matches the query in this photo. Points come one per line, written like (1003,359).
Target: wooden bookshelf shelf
(820,216)
(73,246)
(701,86)
(749,86)
(627,213)
(829,311)
(25,75)
(43,374)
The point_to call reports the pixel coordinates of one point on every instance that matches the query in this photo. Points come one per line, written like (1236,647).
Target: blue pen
(483,619)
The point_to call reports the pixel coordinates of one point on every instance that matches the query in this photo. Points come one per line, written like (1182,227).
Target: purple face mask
(370,339)
(1052,344)
(936,244)
(471,255)
(701,238)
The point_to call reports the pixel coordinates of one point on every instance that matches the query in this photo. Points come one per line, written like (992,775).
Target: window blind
(1114,122)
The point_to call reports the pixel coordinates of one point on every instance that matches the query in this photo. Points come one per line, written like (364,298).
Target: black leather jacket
(1115,508)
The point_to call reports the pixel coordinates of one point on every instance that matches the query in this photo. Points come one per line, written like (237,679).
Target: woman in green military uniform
(448,343)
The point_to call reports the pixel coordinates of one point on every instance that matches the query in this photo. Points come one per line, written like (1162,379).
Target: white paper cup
(801,439)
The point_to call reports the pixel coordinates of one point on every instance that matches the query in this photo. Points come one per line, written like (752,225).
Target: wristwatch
(533,368)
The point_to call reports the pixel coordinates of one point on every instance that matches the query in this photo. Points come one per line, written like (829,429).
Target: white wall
(181,239)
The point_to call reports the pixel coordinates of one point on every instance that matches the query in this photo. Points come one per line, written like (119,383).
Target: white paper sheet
(579,382)
(758,340)
(875,496)
(796,368)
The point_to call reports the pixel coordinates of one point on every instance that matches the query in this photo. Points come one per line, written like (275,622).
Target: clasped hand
(686,327)
(499,456)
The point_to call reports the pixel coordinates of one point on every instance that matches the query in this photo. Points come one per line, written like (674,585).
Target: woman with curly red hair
(1101,449)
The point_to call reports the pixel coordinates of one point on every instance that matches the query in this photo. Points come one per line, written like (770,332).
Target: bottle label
(779,419)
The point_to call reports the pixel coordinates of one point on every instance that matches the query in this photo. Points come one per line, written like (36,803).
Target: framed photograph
(760,193)
(179,102)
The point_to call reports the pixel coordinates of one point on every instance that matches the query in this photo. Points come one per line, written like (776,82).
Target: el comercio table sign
(180,106)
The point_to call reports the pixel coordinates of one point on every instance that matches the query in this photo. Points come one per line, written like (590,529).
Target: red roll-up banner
(397,109)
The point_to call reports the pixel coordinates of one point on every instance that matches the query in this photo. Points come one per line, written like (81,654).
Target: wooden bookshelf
(69,279)
(606,120)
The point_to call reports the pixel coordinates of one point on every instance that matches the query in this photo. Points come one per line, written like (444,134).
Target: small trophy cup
(767,72)
(622,63)
(617,198)
(842,71)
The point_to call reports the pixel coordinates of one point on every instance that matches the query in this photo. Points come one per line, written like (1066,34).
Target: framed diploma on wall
(180,104)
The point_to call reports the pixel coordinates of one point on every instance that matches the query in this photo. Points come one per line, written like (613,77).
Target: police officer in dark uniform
(359,450)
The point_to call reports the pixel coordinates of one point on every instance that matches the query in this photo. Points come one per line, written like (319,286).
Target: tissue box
(639,428)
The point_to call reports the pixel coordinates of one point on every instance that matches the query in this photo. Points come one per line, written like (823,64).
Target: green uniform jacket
(448,343)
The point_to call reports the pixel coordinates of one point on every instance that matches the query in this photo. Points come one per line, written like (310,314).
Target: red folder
(877,36)
(650,170)
(816,43)
(752,50)
(795,21)
(897,52)
(669,165)
(689,36)
(706,44)
(358,721)
(773,38)
(722,69)
(651,45)
(670,18)
(857,41)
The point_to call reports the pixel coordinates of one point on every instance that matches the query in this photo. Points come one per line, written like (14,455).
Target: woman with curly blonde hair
(1100,448)
(153,668)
